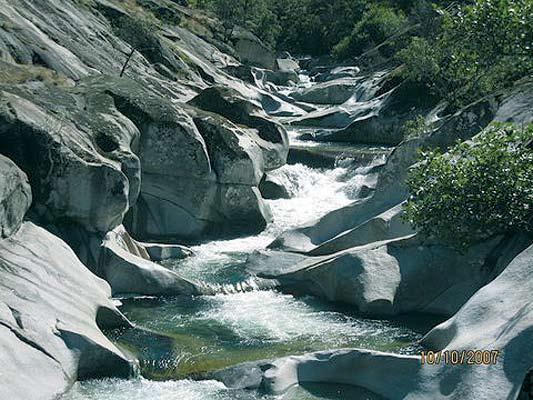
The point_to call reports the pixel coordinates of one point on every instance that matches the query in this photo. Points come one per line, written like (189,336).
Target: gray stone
(15,197)
(385,226)
(278,78)
(162,252)
(516,105)
(272,188)
(51,312)
(391,189)
(336,91)
(271,137)
(191,162)
(287,64)
(125,265)
(70,177)
(251,50)
(384,277)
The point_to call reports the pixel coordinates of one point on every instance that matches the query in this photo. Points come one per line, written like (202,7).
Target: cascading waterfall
(217,266)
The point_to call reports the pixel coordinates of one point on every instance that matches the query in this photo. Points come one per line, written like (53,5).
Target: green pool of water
(188,336)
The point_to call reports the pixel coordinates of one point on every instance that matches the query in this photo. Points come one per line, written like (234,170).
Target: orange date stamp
(460,357)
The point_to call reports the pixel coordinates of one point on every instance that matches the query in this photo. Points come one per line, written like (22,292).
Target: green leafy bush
(313,27)
(378,23)
(416,127)
(480,48)
(477,189)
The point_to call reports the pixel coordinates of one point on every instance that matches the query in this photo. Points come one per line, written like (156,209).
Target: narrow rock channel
(248,318)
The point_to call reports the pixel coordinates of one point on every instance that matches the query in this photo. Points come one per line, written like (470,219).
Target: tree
(480,48)
(477,189)
(377,24)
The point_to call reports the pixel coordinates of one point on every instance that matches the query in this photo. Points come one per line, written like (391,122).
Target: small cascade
(250,284)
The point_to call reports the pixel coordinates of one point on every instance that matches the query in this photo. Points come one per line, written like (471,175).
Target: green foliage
(416,127)
(421,61)
(478,189)
(255,15)
(479,49)
(301,26)
(378,24)
(314,26)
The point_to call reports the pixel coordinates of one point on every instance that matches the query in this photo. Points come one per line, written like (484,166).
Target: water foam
(143,389)
(272,316)
(314,193)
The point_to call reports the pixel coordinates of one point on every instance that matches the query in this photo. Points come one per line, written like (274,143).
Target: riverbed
(180,340)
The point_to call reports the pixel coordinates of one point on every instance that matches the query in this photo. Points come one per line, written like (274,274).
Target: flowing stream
(185,337)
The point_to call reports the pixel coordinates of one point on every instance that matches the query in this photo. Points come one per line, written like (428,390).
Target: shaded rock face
(272,188)
(15,197)
(269,136)
(51,312)
(384,278)
(252,51)
(81,126)
(365,116)
(90,171)
(199,171)
(331,92)
(75,173)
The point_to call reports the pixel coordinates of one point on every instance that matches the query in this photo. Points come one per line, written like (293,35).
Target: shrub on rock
(477,189)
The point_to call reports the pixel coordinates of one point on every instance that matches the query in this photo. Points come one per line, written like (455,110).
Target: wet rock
(336,91)
(338,73)
(287,64)
(51,312)
(391,189)
(279,78)
(15,197)
(384,277)
(383,123)
(126,264)
(272,189)
(386,226)
(162,252)
(131,273)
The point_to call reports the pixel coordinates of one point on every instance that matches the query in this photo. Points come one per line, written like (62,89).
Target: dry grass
(21,73)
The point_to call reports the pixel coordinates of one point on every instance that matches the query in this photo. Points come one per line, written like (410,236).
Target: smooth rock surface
(15,197)
(51,312)
(252,51)
(131,273)
(407,274)
(272,188)
(335,91)
(70,178)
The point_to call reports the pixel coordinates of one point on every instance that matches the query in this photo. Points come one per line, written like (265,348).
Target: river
(185,337)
